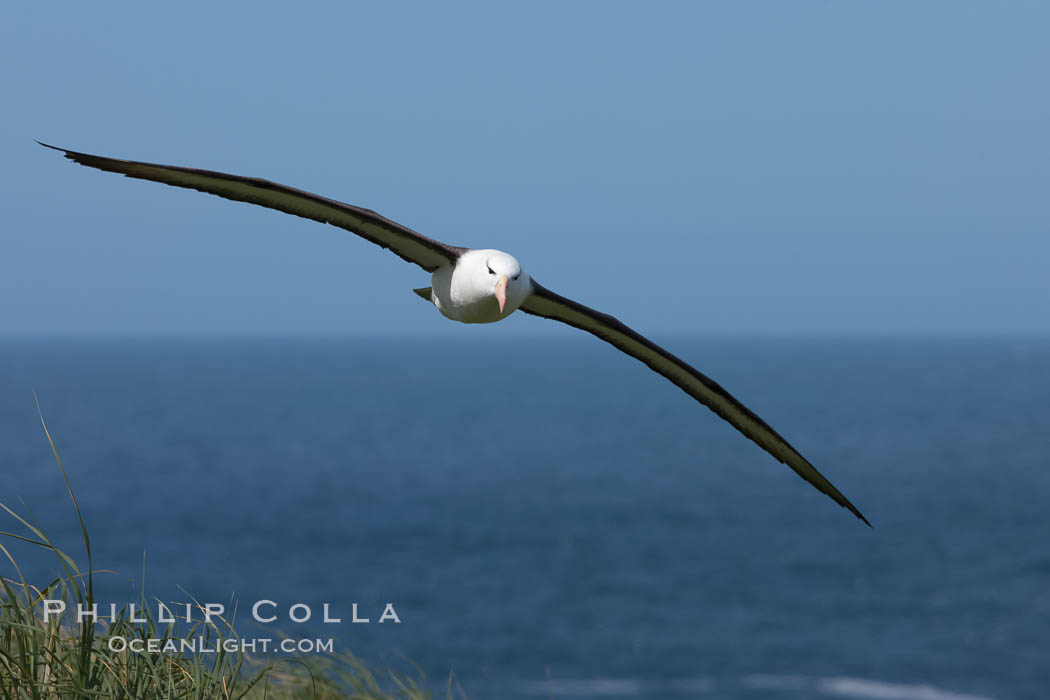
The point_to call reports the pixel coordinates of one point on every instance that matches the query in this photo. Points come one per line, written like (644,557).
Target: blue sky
(773,168)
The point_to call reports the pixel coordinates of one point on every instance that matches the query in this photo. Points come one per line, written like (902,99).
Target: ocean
(551,519)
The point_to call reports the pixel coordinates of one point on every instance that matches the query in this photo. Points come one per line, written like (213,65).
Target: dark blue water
(551,519)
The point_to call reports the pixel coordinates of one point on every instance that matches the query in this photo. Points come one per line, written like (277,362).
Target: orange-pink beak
(501,292)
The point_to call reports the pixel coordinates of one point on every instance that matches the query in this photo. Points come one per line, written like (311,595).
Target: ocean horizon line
(457,335)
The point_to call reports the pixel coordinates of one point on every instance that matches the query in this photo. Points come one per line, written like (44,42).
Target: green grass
(59,657)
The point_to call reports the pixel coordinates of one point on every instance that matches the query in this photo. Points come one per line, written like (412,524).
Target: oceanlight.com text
(201,645)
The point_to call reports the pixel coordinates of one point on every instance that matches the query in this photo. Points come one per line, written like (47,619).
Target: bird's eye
(517,275)
(491,271)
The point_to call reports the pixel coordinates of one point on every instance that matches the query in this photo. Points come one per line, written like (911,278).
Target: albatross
(477,286)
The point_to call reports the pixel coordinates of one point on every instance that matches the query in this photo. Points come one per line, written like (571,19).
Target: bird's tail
(423,292)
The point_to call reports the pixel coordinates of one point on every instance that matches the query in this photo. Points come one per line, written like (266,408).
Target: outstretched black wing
(404,242)
(545,303)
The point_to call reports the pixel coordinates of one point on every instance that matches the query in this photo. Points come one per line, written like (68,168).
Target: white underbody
(464,291)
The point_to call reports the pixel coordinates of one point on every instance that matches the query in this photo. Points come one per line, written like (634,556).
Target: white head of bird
(483,286)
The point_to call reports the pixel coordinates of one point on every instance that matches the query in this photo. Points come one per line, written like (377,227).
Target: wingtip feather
(853,509)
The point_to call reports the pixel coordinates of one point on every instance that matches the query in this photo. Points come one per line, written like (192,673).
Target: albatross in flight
(477,286)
